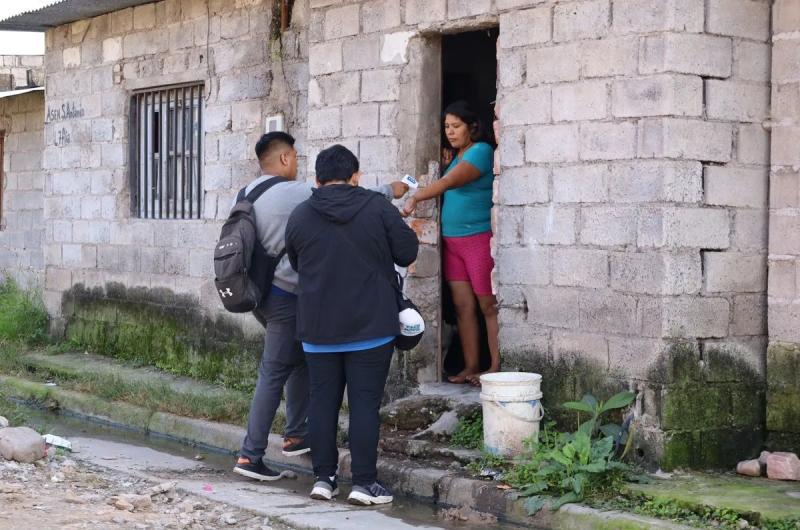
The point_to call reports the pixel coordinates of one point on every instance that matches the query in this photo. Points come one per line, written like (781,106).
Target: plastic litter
(57,441)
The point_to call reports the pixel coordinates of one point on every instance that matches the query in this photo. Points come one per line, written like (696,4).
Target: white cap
(411,323)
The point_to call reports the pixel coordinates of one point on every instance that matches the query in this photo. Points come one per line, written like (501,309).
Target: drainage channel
(68,425)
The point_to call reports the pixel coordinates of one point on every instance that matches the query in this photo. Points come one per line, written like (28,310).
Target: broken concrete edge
(441,487)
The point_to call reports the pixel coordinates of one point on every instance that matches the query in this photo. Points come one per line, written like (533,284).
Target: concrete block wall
(20,71)
(783,358)
(93,66)
(21,219)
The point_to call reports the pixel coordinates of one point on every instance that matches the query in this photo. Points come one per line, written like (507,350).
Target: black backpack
(242,268)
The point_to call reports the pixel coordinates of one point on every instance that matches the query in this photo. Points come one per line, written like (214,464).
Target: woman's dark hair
(464,112)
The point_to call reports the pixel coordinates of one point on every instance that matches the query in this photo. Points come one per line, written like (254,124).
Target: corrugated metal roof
(10,93)
(63,12)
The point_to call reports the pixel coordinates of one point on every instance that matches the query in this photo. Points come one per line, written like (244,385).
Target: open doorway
(469,73)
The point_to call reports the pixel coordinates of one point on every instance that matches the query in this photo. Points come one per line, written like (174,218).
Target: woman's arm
(462,174)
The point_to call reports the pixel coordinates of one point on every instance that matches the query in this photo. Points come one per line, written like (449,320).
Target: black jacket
(344,242)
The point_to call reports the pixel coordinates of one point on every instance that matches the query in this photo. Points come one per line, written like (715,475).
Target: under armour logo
(226,292)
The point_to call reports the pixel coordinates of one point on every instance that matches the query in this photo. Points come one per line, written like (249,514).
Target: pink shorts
(469,259)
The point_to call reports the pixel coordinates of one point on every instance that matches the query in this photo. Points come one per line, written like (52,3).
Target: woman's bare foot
(461,377)
(475,379)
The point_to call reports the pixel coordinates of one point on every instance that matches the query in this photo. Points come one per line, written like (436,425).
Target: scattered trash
(208,488)
(164,487)
(199,457)
(503,487)
(57,477)
(228,519)
(57,441)
(3,422)
(662,474)
(50,383)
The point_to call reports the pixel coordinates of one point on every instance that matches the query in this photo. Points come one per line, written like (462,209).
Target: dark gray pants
(283,363)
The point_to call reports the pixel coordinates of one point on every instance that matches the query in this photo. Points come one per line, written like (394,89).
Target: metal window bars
(166,143)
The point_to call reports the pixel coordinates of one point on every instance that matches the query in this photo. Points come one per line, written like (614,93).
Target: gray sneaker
(375,493)
(325,488)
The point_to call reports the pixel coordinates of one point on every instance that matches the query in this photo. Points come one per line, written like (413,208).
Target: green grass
(469,432)
(22,314)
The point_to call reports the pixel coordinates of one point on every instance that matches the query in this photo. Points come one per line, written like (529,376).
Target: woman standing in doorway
(466,232)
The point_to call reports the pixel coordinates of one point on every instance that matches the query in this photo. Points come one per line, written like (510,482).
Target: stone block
(645,16)
(786,101)
(508,226)
(380,15)
(362,53)
(553,64)
(246,115)
(360,120)
(553,306)
(580,268)
(733,186)
(785,16)
(380,85)
(325,58)
(510,68)
(751,61)
(549,225)
(748,20)
(112,49)
(550,143)
(786,61)
(523,186)
(144,16)
(581,20)
(607,311)
(749,315)
(707,228)
(656,272)
(324,123)
(752,144)
(144,43)
(656,181)
(607,141)
(425,11)
(608,57)
(660,95)
(734,272)
(784,142)
(782,278)
(782,318)
(523,266)
(71,57)
(750,229)
(633,356)
(525,106)
(608,226)
(594,346)
(784,189)
(512,147)
(378,154)
(580,184)
(467,8)
(339,89)
(695,317)
(585,100)
(727,100)
(523,28)
(704,55)
(341,22)
(784,233)
(684,138)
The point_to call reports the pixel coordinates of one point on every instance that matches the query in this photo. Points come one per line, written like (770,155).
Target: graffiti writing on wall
(62,137)
(67,111)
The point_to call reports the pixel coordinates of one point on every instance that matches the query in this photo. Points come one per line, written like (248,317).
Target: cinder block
(784,233)
(71,57)
(660,95)
(549,225)
(512,147)
(608,311)
(695,317)
(379,15)
(581,20)
(784,142)
(785,102)
(656,272)
(246,115)
(380,85)
(112,49)
(656,181)
(467,8)
(749,20)
(510,68)
(550,143)
(609,57)
(706,228)
(585,100)
(523,28)
(751,61)
(522,186)
(362,53)
(425,11)
(749,315)
(633,356)
(339,89)
(607,141)
(144,16)
(752,144)
(645,16)
(325,58)
(324,123)
(525,106)
(378,154)
(121,21)
(684,138)
(727,100)
(580,268)
(734,272)
(785,16)
(608,226)
(553,64)
(732,186)
(786,61)
(782,278)
(145,43)
(784,188)
(580,184)
(360,120)
(703,55)
(523,266)
(750,229)
(553,306)
(783,317)
(508,226)
(341,22)
(233,26)
(585,344)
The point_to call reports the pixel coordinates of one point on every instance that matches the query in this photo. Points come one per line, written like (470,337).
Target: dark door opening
(469,73)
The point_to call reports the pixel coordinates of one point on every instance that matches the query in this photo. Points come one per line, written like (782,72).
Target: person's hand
(409,206)
(399,189)
(447,157)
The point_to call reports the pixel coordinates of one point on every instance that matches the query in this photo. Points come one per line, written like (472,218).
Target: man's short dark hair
(267,144)
(336,163)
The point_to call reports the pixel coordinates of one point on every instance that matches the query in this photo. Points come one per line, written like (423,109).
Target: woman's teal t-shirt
(467,210)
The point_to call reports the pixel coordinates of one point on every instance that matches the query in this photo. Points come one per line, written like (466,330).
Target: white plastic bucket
(512,410)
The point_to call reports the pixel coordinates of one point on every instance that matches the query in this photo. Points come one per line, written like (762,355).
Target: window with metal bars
(166,139)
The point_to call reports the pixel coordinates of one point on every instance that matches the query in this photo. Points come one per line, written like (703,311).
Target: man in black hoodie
(344,242)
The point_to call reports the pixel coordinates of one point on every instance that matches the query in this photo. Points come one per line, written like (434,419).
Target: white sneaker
(375,493)
(325,489)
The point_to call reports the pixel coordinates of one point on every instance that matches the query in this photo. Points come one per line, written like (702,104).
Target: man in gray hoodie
(283,360)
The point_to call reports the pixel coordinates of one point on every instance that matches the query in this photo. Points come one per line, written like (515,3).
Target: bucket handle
(534,402)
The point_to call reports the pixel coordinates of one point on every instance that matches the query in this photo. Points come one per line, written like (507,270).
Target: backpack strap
(256,192)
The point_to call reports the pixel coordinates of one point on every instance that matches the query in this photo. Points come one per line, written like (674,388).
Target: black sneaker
(295,447)
(375,493)
(325,488)
(255,470)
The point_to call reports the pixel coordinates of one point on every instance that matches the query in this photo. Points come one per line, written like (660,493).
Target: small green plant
(488,461)
(469,432)
(22,314)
